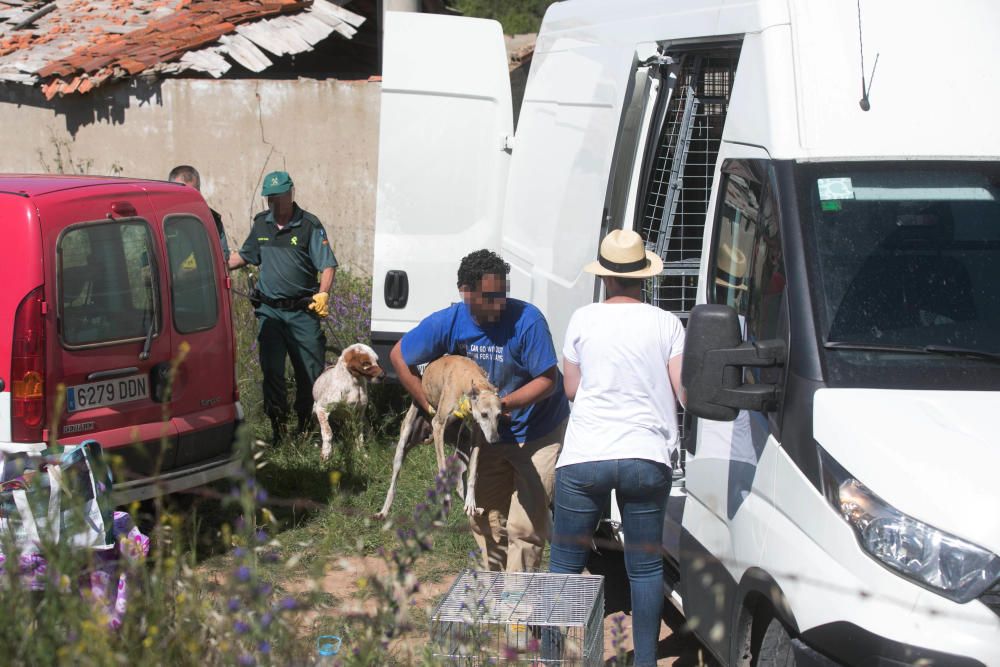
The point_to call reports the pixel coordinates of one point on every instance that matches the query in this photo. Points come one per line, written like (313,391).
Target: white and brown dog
(457,388)
(345,383)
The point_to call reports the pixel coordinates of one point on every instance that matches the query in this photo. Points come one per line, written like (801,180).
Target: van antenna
(864,103)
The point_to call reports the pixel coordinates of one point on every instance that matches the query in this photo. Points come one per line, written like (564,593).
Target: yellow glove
(319,304)
(463,409)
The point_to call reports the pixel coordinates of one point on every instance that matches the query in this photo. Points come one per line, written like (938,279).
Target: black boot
(278,430)
(305,422)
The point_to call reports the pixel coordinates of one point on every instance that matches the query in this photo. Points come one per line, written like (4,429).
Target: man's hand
(319,304)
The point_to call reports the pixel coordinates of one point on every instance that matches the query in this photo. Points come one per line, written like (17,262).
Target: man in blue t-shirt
(510,340)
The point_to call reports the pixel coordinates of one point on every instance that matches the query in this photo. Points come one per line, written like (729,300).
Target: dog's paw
(379,516)
(470,508)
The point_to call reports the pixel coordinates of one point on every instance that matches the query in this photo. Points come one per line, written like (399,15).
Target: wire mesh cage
(513,618)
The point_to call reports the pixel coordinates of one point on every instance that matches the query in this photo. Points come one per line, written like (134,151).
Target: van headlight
(946,564)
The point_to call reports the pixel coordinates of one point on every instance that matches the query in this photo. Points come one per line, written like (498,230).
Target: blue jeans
(583,491)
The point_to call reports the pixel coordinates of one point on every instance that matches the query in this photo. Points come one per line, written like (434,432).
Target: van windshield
(907,256)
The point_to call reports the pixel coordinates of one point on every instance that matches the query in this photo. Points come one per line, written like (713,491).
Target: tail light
(27,365)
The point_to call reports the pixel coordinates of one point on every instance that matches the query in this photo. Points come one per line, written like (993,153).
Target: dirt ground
(341,580)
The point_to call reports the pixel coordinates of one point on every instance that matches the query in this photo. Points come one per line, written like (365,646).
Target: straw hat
(623,254)
(731,267)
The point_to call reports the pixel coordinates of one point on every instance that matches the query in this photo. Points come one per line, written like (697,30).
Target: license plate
(107,392)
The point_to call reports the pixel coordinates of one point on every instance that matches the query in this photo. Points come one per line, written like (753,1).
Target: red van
(104,281)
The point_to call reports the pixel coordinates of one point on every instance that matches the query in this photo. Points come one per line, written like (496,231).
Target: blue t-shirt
(513,351)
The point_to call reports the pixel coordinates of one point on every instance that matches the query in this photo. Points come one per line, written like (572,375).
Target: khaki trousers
(515,486)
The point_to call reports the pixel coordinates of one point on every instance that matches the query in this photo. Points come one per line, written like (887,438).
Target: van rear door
(105,278)
(203,401)
(445,126)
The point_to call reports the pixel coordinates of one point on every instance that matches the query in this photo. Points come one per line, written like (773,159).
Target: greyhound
(456,388)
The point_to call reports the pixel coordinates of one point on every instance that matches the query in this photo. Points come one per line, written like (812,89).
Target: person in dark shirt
(188,175)
(290,247)
(510,340)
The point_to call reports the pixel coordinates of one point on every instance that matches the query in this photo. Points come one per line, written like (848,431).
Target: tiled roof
(72,46)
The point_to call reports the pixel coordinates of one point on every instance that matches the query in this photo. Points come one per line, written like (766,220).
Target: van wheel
(776,647)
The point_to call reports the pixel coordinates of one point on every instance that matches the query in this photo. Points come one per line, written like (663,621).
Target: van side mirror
(714,357)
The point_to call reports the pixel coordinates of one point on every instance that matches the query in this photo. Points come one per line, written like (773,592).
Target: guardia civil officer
(290,247)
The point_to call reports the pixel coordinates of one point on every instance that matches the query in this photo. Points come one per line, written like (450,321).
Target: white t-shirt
(625,406)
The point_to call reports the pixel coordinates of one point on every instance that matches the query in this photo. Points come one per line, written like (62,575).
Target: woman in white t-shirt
(622,370)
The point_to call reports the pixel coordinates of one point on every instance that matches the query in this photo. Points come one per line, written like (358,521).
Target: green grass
(347,491)
(323,510)
(331,504)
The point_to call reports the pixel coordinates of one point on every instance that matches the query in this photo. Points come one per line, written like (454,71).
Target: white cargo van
(836,501)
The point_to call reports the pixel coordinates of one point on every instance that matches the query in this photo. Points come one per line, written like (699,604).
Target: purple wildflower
(243,573)
(241,628)
(234,604)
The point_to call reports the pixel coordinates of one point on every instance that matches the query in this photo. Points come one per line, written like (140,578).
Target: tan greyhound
(457,388)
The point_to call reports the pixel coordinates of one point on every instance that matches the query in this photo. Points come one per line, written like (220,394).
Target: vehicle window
(749,269)
(908,257)
(107,289)
(734,247)
(192,274)
(904,256)
(766,318)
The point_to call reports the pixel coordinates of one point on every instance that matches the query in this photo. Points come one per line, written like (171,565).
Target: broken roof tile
(82,43)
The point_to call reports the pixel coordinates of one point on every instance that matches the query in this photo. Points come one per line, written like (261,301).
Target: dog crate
(515,618)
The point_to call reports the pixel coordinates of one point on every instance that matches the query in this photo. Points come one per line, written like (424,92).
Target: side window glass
(749,267)
(734,247)
(107,289)
(192,274)
(767,281)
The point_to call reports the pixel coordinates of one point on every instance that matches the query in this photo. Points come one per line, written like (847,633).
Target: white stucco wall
(323,132)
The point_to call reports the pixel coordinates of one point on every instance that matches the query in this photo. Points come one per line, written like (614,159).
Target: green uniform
(289,260)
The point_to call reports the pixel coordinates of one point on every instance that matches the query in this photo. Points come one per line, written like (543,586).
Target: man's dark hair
(480,263)
(185,173)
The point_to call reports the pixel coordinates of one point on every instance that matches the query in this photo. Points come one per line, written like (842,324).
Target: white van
(825,178)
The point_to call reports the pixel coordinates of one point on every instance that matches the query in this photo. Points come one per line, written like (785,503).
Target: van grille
(991,598)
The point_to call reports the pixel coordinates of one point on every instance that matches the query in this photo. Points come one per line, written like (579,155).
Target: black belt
(293,303)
